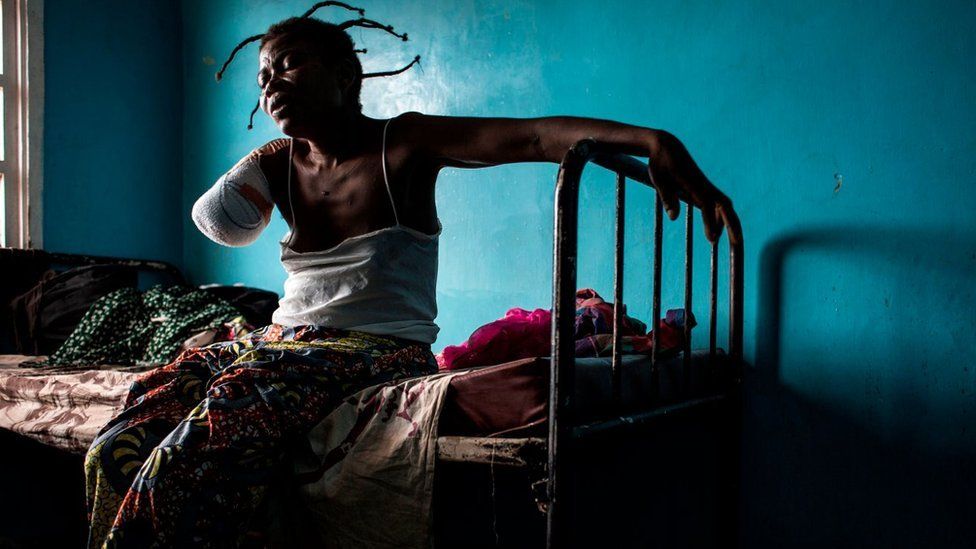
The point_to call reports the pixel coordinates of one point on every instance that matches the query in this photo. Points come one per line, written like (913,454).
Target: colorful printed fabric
(128,326)
(199,441)
(595,316)
(524,334)
(671,334)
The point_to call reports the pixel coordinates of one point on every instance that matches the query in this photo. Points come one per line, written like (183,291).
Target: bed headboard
(22,269)
(561,389)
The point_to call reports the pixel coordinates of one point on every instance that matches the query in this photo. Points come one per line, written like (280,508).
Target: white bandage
(238,207)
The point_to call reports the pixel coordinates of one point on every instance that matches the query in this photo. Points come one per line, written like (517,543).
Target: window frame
(22,78)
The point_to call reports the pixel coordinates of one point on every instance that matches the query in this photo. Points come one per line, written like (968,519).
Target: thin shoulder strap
(291,206)
(386,178)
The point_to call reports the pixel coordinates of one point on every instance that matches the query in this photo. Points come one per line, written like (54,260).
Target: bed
(534,423)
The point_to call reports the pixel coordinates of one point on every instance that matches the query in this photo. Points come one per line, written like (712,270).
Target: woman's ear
(345,76)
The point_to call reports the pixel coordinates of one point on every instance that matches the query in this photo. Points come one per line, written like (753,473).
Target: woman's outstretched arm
(469,142)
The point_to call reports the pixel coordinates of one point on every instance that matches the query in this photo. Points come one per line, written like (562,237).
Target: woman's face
(298,91)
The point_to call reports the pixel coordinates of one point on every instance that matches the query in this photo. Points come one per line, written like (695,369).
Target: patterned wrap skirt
(200,441)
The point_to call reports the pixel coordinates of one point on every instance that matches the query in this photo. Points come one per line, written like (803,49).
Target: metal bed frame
(559,449)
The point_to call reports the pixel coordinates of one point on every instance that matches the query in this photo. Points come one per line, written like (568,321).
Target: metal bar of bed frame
(563,431)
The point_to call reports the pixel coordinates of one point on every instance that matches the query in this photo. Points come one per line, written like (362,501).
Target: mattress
(512,398)
(67,407)
(60,407)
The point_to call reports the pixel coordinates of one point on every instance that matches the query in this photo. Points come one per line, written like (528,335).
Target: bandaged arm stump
(238,207)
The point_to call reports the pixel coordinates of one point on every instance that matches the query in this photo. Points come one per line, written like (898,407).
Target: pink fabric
(519,334)
(525,334)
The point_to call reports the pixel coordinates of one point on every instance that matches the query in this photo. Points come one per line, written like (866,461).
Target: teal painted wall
(845,135)
(112,129)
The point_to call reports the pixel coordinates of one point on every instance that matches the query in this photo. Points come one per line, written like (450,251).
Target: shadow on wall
(858,411)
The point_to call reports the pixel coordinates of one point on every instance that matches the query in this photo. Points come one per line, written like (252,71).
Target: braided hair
(331,41)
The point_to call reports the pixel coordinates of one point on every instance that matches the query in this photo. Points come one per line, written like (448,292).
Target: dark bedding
(512,398)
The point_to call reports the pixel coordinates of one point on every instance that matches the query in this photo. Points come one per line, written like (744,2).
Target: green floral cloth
(128,326)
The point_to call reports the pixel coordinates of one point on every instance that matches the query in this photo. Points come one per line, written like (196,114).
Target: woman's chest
(339,201)
(324,207)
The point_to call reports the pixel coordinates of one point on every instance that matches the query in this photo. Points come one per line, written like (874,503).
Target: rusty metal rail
(564,431)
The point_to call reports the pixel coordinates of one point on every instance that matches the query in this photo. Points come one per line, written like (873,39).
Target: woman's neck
(345,136)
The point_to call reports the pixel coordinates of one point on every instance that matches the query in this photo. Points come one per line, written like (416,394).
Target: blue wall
(845,135)
(112,129)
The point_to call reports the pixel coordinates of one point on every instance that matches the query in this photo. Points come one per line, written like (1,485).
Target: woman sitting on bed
(194,451)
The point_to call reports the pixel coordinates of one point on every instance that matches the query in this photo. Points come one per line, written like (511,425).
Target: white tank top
(383,282)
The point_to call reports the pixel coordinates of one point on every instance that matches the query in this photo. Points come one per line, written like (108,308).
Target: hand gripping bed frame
(559,449)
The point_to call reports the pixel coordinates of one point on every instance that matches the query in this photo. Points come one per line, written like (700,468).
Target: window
(21,108)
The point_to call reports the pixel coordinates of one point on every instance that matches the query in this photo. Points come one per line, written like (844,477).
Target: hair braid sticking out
(331,40)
